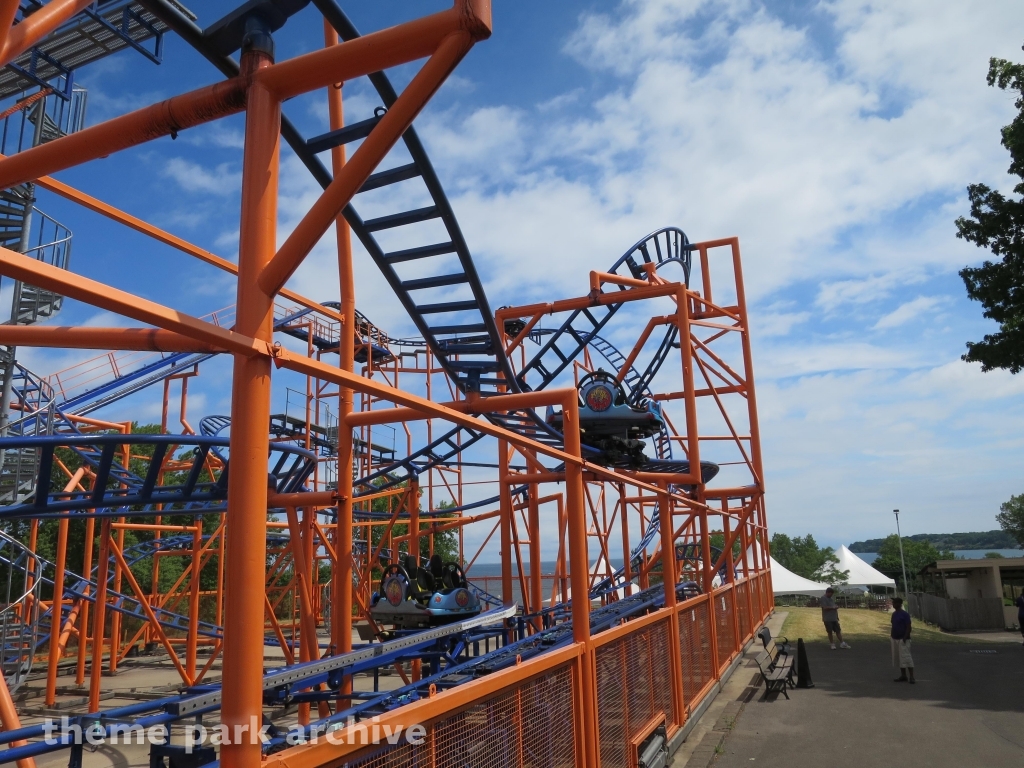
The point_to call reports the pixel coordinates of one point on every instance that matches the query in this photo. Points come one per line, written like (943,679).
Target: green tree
(996,222)
(446,543)
(804,557)
(993,556)
(1011,517)
(917,555)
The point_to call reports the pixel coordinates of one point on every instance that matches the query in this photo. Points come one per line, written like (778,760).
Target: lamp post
(899,536)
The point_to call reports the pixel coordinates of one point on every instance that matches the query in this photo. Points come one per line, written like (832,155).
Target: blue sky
(835,139)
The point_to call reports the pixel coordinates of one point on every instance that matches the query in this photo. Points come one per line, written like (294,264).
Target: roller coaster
(536,532)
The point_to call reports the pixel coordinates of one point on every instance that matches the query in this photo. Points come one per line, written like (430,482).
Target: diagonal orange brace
(62,282)
(34,28)
(143,600)
(133,222)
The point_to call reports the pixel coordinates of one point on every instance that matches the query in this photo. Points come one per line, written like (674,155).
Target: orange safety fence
(634,687)
(695,651)
(532,724)
(723,608)
(535,720)
(743,609)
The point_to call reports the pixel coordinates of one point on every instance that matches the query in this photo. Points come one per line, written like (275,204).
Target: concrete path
(966,711)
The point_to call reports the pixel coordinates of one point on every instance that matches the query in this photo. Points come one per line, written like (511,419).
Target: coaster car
(412,597)
(608,422)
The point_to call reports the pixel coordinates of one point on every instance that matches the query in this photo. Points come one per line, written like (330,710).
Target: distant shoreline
(957,542)
(966,554)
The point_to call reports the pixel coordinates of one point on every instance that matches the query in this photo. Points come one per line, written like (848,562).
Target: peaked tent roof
(785,582)
(861,574)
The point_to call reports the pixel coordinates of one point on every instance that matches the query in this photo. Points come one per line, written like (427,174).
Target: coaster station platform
(605,445)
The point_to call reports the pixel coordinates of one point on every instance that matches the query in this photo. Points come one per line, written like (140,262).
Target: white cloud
(193,177)
(907,311)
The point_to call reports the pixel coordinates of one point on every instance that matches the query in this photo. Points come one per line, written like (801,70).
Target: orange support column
(192,643)
(83,617)
(100,616)
(579,569)
(730,577)
(670,574)
(536,565)
(57,612)
(246,522)
(705,556)
(505,508)
(341,581)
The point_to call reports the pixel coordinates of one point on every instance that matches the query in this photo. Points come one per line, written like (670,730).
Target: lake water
(967,554)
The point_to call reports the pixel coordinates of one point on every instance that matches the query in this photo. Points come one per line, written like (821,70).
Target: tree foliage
(996,222)
(446,543)
(995,539)
(1011,517)
(917,555)
(804,557)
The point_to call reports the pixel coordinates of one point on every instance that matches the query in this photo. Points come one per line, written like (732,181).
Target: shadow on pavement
(956,675)
(964,712)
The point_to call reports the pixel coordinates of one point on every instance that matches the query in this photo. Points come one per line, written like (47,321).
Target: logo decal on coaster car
(394,591)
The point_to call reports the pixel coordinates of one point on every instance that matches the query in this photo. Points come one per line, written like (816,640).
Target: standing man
(830,616)
(900,641)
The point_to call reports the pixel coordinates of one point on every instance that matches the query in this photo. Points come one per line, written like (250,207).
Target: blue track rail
(118,491)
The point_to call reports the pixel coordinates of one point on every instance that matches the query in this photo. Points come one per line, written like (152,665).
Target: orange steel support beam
(341,573)
(57,611)
(34,28)
(357,170)
(748,364)
(579,570)
(401,44)
(567,305)
(99,616)
(98,294)
(246,519)
(101,338)
(538,399)
(152,122)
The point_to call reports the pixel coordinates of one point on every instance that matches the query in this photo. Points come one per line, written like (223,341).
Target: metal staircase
(21,581)
(103,28)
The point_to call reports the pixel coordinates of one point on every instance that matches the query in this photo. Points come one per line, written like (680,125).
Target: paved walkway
(966,711)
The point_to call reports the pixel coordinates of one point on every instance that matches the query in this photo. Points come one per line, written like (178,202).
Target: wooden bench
(776,677)
(774,647)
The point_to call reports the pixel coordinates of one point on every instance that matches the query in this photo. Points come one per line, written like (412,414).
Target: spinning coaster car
(412,597)
(608,422)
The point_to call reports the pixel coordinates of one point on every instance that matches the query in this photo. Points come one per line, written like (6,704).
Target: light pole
(906,588)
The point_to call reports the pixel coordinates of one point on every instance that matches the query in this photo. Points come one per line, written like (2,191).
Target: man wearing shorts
(830,616)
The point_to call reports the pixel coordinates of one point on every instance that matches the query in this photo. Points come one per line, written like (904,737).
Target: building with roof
(980,579)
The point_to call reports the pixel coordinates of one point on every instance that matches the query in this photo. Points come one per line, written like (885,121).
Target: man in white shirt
(830,616)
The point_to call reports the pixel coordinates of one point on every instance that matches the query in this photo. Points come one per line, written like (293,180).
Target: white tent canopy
(785,582)
(861,574)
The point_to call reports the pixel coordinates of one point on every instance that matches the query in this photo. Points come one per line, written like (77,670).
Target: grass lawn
(857,624)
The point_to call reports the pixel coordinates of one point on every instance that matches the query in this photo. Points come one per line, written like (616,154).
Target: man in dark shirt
(900,641)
